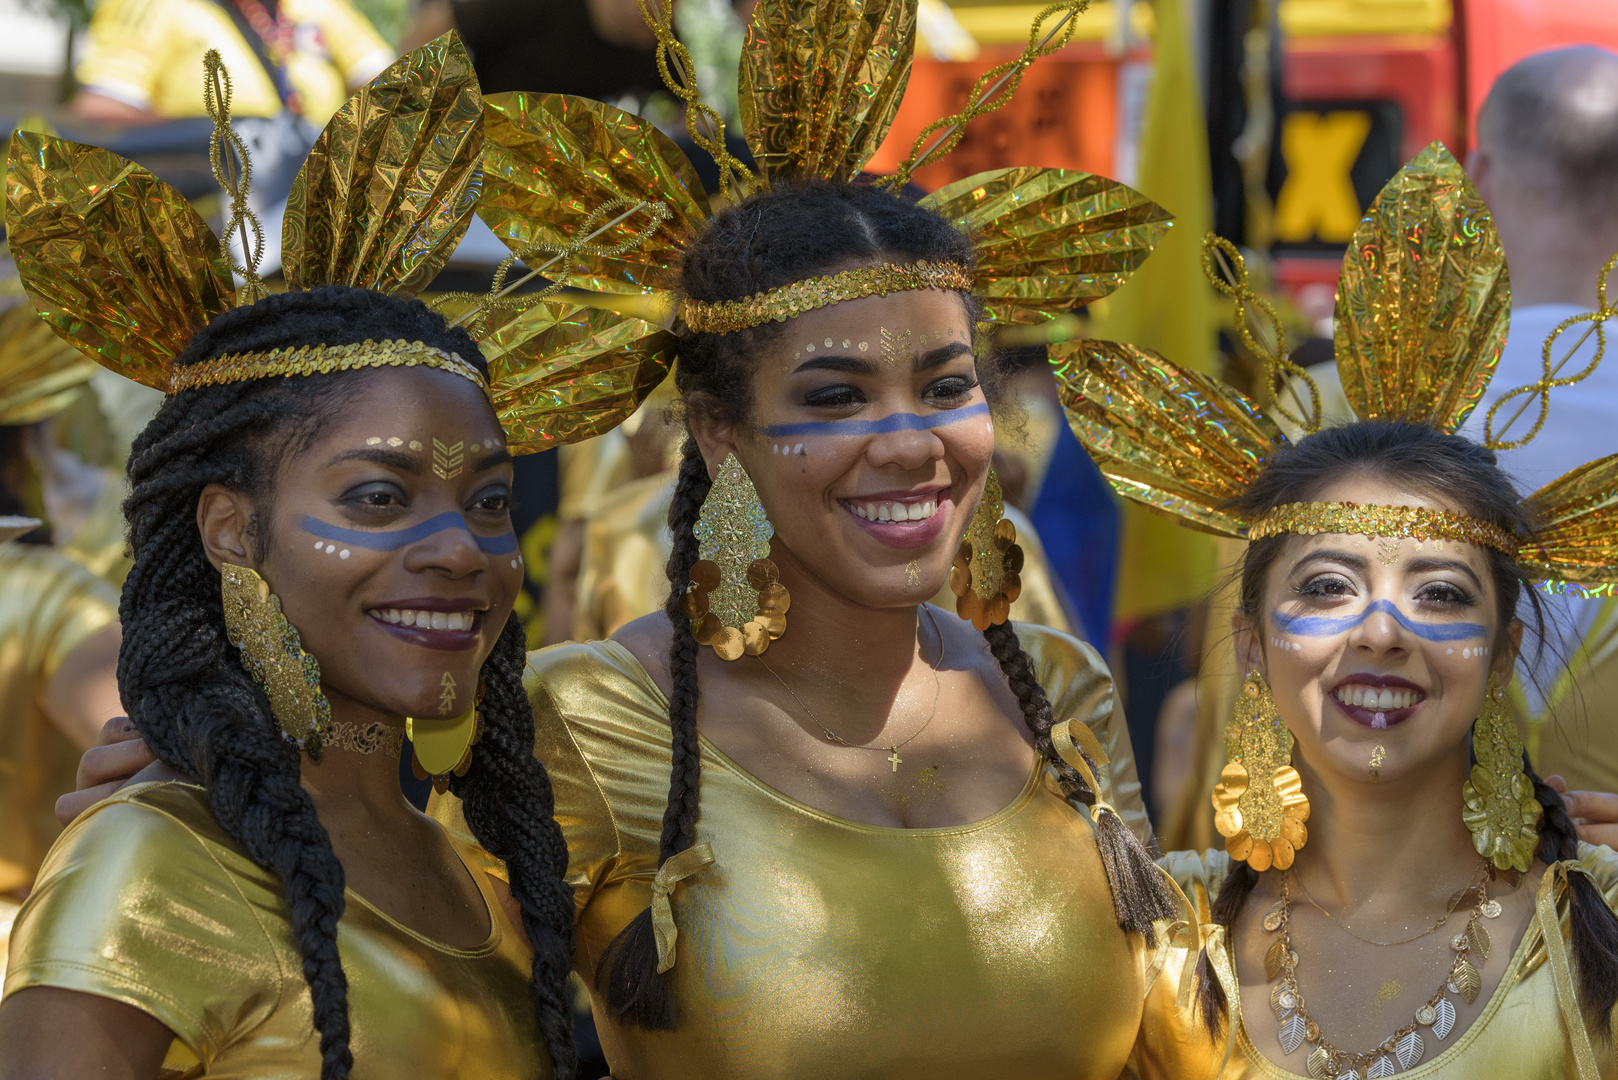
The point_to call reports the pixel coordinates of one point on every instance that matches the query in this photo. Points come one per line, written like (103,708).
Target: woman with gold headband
(265,902)
(1399,892)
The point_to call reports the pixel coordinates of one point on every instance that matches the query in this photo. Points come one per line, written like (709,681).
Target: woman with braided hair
(247,909)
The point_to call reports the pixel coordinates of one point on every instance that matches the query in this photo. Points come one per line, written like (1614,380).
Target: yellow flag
(1168,307)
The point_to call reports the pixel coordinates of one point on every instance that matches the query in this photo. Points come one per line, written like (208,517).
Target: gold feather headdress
(1423,306)
(122,267)
(820,84)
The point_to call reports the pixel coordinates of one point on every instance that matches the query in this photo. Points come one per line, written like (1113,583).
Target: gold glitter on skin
(448,459)
(895,346)
(1379,755)
(912,573)
(446,699)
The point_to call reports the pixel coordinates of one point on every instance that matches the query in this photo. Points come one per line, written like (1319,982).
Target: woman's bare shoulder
(648,639)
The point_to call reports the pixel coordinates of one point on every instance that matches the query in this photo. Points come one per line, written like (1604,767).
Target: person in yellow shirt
(143,58)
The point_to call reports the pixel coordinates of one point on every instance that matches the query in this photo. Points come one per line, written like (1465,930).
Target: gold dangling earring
(984,576)
(1499,804)
(1259,804)
(272,652)
(442,746)
(736,602)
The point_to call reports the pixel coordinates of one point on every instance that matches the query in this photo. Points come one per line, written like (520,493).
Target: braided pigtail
(197,708)
(1139,894)
(1238,885)
(627,975)
(508,802)
(1594,926)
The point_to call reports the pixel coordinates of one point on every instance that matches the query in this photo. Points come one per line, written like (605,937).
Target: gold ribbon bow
(1550,931)
(674,870)
(1069,738)
(1197,937)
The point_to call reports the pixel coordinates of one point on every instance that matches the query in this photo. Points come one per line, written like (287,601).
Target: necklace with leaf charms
(1404,1048)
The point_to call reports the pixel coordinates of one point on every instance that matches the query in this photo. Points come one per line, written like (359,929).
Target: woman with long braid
(256,911)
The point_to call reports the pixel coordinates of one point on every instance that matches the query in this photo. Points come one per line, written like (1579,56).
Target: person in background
(1546,163)
(143,58)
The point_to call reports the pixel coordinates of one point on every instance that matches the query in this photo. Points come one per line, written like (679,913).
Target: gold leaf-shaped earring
(736,602)
(1498,798)
(984,576)
(273,654)
(1259,804)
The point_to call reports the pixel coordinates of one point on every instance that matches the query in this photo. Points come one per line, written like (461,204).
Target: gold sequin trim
(790,301)
(321,360)
(373,738)
(1353,519)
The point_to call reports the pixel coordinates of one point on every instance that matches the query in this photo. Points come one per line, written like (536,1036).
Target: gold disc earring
(736,602)
(273,654)
(1499,804)
(441,746)
(984,575)
(1259,804)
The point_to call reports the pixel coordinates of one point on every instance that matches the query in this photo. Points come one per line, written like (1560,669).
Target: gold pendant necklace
(892,751)
(1404,1048)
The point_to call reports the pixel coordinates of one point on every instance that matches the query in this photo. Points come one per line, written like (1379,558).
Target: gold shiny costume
(820,947)
(210,953)
(1571,735)
(49,606)
(148,53)
(1519,1034)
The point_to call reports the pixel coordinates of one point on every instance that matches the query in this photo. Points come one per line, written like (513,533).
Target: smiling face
(869,444)
(388,539)
(1378,651)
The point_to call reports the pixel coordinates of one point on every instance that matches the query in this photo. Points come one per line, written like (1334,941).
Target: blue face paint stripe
(885,426)
(1319,626)
(394,539)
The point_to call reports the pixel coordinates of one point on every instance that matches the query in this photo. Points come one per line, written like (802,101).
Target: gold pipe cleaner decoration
(790,301)
(1542,388)
(1277,362)
(216,91)
(985,96)
(710,133)
(1404,522)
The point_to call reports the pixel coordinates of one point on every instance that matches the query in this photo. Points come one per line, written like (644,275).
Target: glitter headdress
(1423,306)
(122,267)
(821,82)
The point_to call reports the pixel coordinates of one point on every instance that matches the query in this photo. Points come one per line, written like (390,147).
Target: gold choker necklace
(373,738)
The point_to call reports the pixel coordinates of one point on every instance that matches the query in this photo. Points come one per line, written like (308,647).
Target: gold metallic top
(817,946)
(321,360)
(790,301)
(145,900)
(1529,1028)
(1414,522)
(49,605)
(1421,316)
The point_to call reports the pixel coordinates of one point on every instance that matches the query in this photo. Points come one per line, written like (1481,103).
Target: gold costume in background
(1520,1033)
(817,946)
(1568,736)
(211,955)
(49,605)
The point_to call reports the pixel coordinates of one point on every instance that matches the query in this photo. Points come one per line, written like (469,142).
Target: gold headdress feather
(820,85)
(120,265)
(1422,312)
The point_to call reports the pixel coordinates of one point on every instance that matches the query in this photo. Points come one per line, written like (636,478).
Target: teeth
(894,511)
(1380,699)
(425,620)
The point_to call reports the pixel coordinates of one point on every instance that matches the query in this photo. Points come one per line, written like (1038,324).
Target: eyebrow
(858,365)
(1427,565)
(1328,555)
(412,462)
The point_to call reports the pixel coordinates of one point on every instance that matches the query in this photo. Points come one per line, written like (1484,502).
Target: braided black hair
(1421,459)
(197,708)
(788,234)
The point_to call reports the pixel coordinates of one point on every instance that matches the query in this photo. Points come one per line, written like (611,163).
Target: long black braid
(197,708)
(788,234)
(1414,457)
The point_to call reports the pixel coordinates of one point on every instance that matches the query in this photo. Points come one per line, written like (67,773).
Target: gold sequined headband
(1393,522)
(790,301)
(321,360)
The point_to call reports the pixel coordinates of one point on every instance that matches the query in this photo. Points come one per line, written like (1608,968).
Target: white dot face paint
(514,564)
(330,548)
(319,544)
(343,554)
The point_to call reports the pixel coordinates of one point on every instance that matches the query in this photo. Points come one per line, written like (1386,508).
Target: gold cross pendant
(895,759)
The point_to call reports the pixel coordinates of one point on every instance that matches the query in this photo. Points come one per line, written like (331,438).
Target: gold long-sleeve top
(147,901)
(1528,1030)
(49,605)
(819,948)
